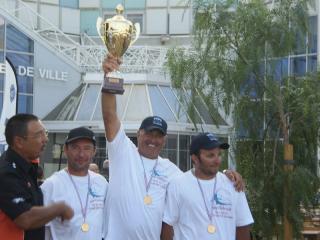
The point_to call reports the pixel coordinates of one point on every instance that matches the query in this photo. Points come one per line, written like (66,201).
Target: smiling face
(207,163)
(150,143)
(79,154)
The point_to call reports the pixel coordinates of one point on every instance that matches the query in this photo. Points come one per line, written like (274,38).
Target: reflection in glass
(69,3)
(159,105)
(138,107)
(18,41)
(298,66)
(312,64)
(185,99)
(300,44)
(312,34)
(88,102)
(179,111)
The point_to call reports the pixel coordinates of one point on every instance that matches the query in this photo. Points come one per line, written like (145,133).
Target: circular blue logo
(12,93)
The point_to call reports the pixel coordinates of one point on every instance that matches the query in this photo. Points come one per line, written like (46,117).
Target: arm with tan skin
(166,232)
(108,102)
(243,233)
(236,178)
(38,216)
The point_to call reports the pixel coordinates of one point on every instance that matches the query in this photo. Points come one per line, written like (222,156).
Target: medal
(211,229)
(147,200)
(85,227)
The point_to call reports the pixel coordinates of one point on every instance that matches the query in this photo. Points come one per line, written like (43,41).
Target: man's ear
(18,142)
(194,159)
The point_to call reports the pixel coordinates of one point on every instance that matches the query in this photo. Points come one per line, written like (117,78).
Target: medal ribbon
(83,209)
(210,214)
(146,182)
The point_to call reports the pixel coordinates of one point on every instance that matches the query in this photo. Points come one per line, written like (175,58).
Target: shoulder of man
(7,167)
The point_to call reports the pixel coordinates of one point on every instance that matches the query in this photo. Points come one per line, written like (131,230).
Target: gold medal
(85,227)
(147,200)
(211,229)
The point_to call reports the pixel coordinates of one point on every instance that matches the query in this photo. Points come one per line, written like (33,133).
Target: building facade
(54,52)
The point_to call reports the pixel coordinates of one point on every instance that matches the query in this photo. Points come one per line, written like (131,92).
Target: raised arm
(108,102)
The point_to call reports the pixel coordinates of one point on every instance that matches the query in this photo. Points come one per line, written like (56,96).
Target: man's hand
(66,212)
(236,178)
(110,64)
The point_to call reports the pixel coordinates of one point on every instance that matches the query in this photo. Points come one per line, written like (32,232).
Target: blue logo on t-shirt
(93,193)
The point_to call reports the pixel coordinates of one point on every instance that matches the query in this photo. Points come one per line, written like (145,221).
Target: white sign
(41,73)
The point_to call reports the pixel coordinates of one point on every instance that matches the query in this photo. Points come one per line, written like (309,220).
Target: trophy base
(112,85)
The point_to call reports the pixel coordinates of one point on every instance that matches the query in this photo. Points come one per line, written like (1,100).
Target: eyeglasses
(40,134)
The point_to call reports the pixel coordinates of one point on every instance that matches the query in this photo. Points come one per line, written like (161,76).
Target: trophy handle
(100,28)
(135,33)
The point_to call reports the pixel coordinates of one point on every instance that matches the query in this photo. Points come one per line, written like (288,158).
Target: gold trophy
(118,34)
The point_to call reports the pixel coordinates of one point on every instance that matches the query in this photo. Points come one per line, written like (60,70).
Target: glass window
(98,113)
(170,149)
(312,64)
(135,4)
(298,66)
(18,41)
(159,105)
(69,3)
(185,99)
(138,99)
(312,34)
(184,157)
(179,111)
(278,69)
(2,27)
(300,44)
(88,101)
(21,63)
(122,101)
(88,19)
(136,18)
(111,4)
(25,103)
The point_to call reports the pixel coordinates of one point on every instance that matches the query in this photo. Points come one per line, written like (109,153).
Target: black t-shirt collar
(18,160)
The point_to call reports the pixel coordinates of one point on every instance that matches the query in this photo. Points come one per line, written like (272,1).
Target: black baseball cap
(80,132)
(154,123)
(206,141)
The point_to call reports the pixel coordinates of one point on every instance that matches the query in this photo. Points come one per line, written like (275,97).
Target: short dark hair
(18,126)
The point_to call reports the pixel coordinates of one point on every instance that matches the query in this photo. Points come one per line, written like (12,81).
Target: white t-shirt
(186,212)
(59,187)
(128,217)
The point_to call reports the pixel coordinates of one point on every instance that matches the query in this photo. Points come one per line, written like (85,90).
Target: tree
(238,62)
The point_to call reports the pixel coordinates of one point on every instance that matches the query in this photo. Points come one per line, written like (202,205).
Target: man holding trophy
(138,175)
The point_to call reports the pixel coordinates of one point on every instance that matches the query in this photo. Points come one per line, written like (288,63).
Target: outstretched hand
(110,63)
(236,178)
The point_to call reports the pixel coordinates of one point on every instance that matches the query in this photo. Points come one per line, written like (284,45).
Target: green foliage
(235,52)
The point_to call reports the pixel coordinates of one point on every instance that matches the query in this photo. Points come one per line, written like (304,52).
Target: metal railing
(87,57)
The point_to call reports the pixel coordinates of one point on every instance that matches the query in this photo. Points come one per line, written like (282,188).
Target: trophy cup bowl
(118,34)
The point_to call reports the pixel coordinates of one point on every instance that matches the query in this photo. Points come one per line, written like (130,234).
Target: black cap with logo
(206,141)
(154,123)
(80,132)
